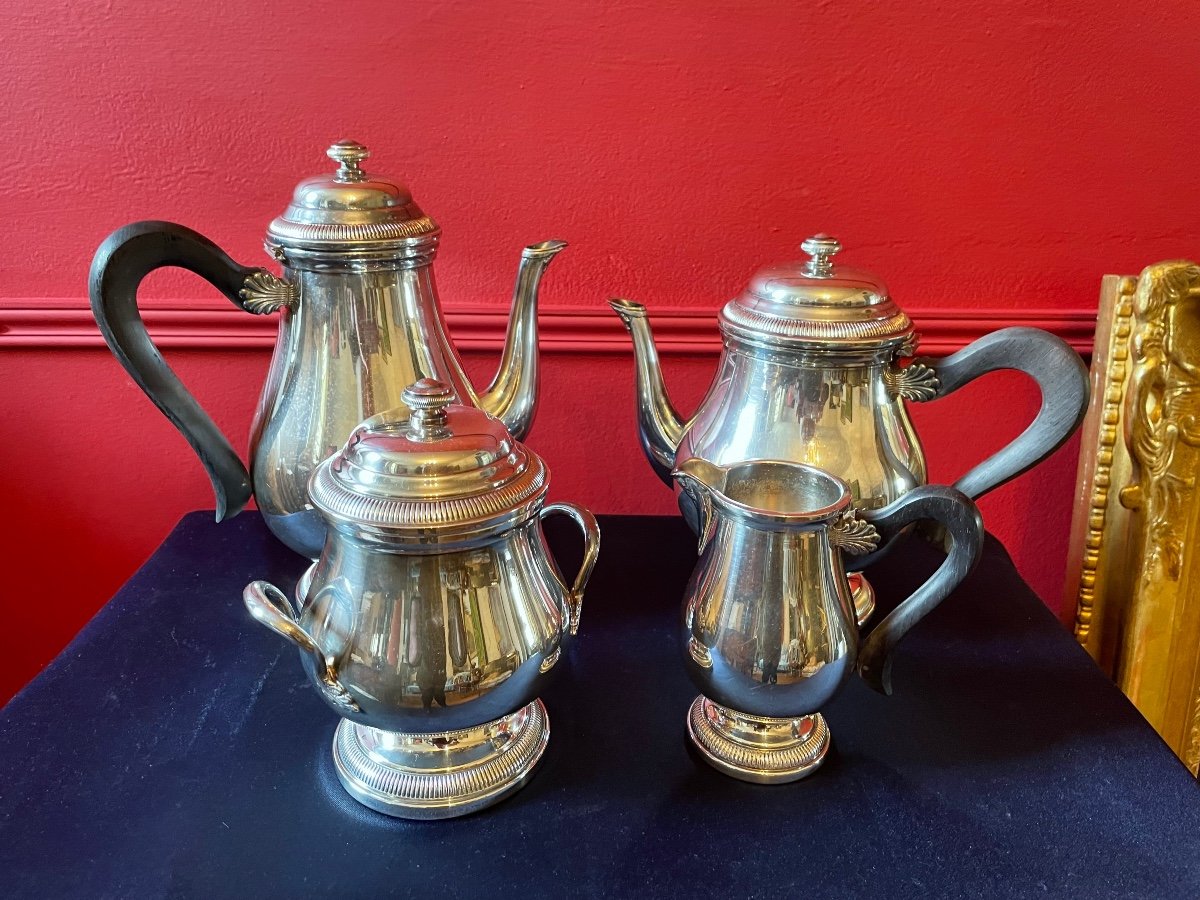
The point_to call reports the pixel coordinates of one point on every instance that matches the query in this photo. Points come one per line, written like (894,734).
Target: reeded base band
(756,748)
(864,597)
(439,776)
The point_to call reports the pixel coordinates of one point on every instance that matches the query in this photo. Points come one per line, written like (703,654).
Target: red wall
(991,160)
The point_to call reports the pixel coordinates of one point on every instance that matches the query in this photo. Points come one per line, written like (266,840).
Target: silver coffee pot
(769,626)
(812,371)
(359,320)
(435,615)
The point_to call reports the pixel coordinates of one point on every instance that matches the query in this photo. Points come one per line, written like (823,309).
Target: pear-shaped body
(359,320)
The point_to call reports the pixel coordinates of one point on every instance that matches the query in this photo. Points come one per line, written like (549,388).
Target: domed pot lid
(445,469)
(351,211)
(817,304)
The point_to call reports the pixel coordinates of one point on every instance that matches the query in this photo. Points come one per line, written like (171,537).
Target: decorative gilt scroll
(1134,569)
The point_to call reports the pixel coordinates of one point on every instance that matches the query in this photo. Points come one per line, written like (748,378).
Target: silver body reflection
(769,626)
(815,370)
(768,620)
(767,405)
(346,351)
(435,615)
(439,641)
(360,320)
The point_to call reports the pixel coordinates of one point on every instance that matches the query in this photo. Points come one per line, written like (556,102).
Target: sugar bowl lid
(817,304)
(350,210)
(447,469)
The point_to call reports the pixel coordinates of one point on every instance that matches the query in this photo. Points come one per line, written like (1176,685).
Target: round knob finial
(821,249)
(427,400)
(348,154)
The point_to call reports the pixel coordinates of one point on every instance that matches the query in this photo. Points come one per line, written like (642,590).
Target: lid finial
(427,400)
(348,154)
(821,249)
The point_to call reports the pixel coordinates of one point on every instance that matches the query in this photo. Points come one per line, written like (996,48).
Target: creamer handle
(955,512)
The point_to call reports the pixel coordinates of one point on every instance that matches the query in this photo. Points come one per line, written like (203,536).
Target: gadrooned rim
(801,757)
(451,791)
(336,501)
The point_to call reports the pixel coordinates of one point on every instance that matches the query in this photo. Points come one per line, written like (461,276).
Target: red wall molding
(66,324)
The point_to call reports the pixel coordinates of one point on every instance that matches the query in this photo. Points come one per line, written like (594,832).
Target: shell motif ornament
(854,535)
(264,293)
(916,381)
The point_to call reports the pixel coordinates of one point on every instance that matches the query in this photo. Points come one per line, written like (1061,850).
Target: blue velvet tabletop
(175,749)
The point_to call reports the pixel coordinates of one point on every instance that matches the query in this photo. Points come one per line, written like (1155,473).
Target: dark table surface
(175,749)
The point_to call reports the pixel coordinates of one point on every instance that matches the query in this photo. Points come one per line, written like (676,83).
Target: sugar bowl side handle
(954,511)
(591,550)
(270,606)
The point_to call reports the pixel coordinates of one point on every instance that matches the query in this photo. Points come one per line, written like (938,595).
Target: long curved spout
(512,395)
(659,425)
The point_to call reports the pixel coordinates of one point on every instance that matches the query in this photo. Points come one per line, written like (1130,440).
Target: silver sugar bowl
(435,615)
(769,627)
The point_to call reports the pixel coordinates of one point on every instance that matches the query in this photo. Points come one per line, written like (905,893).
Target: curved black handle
(123,260)
(958,515)
(1059,373)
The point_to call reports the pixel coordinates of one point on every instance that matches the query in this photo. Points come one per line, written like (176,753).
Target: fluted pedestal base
(438,776)
(756,748)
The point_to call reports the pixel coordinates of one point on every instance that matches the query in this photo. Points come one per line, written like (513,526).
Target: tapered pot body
(346,351)
(843,415)
(359,322)
(816,369)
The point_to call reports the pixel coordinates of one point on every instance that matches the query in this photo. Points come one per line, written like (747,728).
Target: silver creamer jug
(436,615)
(769,628)
(359,319)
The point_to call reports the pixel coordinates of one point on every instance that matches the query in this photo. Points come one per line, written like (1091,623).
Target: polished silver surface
(814,370)
(863,597)
(447,470)
(435,607)
(433,640)
(439,776)
(368,323)
(359,319)
(757,749)
(352,210)
(769,624)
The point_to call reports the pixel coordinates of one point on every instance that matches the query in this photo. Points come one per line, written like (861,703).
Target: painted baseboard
(57,324)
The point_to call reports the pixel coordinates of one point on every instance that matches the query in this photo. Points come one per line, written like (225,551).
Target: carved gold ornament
(1134,570)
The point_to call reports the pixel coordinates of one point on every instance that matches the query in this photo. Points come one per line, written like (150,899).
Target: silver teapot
(812,372)
(359,320)
(435,615)
(769,627)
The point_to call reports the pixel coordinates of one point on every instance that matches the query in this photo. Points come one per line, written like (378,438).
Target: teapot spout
(659,425)
(512,395)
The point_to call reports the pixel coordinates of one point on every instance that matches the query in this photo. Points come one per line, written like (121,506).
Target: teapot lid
(817,305)
(350,210)
(445,469)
